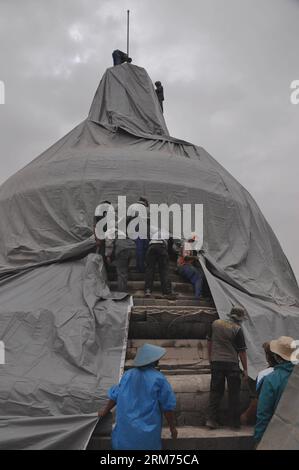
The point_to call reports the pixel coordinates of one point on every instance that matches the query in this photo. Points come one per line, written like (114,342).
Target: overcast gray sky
(226,67)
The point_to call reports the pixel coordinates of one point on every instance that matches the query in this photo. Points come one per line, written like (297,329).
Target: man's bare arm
(170,418)
(105,410)
(243,357)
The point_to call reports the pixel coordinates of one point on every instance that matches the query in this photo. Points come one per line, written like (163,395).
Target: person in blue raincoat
(274,384)
(141,398)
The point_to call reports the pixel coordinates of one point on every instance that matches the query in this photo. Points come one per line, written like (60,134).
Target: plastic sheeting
(128,101)
(46,213)
(64,336)
(265,320)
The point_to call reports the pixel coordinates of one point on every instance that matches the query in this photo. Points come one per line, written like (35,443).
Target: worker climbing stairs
(180,327)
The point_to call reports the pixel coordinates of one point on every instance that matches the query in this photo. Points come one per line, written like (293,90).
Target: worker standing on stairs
(160,93)
(141,397)
(188,265)
(142,243)
(121,251)
(157,253)
(226,344)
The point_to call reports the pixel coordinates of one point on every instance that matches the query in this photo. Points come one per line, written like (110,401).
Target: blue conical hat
(147,354)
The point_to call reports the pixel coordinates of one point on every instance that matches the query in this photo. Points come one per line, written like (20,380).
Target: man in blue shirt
(274,384)
(141,398)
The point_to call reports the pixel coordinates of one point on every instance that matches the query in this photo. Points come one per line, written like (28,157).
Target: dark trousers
(141,249)
(157,254)
(193,275)
(122,262)
(230,373)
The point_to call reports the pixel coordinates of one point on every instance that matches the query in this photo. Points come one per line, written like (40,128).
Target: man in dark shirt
(226,344)
(160,93)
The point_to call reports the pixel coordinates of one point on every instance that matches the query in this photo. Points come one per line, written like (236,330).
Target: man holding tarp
(274,383)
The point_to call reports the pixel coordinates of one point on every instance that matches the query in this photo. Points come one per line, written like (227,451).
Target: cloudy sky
(226,67)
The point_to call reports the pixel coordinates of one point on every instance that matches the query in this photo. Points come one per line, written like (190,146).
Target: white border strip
(123,355)
(125,343)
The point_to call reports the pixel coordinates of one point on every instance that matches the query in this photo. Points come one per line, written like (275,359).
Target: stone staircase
(180,326)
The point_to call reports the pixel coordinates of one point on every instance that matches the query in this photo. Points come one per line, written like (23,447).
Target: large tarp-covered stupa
(64,332)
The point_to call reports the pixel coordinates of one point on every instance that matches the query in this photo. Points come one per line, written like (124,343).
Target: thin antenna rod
(128,31)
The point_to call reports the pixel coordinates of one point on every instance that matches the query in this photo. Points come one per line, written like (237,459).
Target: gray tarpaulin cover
(63,332)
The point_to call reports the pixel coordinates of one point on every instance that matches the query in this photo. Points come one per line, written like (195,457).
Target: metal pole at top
(128,31)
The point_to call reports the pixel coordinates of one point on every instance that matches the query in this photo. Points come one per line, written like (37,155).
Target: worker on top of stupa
(119,57)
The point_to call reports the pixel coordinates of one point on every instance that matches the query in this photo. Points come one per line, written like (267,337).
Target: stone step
(178,345)
(181,300)
(193,438)
(185,353)
(193,384)
(182,357)
(178,367)
(133,267)
(179,329)
(170,322)
(141,312)
(192,395)
(139,286)
(202,438)
(136,276)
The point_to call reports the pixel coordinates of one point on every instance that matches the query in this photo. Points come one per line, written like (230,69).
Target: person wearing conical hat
(284,350)
(141,398)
